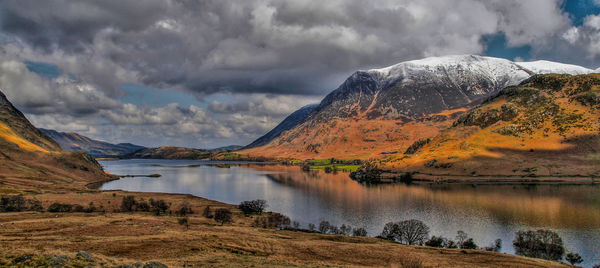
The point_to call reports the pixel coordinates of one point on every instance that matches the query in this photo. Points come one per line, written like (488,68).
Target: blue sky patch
(44,69)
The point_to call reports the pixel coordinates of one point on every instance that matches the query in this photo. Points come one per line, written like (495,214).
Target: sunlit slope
(32,162)
(22,129)
(547,126)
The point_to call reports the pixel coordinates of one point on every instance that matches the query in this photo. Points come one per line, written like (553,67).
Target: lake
(484,212)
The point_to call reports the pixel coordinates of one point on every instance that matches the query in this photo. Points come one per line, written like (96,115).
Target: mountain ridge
(395,95)
(73,142)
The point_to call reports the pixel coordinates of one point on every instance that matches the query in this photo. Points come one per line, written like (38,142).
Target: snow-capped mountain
(410,90)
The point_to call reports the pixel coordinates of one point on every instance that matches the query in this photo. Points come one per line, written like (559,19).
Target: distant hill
(228,148)
(73,142)
(171,152)
(378,112)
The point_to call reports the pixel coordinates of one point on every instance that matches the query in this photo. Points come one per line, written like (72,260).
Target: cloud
(270,57)
(254,46)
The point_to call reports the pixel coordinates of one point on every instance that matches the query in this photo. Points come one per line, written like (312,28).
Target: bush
(573,258)
(58,207)
(440,242)
(543,244)
(253,207)
(159,206)
(77,208)
(184,210)
(468,244)
(359,232)
(18,203)
(411,232)
(206,213)
(222,216)
(324,227)
(128,203)
(345,229)
(183,221)
(436,242)
(142,206)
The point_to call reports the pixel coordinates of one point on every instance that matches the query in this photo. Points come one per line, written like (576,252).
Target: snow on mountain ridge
(546,67)
(489,66)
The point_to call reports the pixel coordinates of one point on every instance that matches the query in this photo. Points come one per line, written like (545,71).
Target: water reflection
(485,212)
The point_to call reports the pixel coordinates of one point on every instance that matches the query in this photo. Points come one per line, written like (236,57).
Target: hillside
(73,142)
(382,111)
(14,127)
(30,160)
(547,127)
(170,152)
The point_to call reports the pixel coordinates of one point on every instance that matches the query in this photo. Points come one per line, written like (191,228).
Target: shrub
(222,216)
(159,206)
(324,227)
(468,244)
(345,229)
(543,244)
(17,203)
(185,210)
(206,213)
(359,232)
(253,207)
(411,232)
(58,207)
(77,208)
(436,242)
(183,221)
(128,203)
(91,208)
(142,206)
(573,258)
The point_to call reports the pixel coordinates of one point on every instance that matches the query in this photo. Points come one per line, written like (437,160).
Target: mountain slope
(288,123)
(545,127)
(379,111)
(19,130)
(31,161)
(73,142)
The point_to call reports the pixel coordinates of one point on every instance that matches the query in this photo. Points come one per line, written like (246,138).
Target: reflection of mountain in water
(558,206)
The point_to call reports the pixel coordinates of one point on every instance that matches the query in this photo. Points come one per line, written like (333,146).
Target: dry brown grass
(125,238)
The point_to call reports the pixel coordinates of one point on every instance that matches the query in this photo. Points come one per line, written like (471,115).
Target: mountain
(547,127)
(15,128)
(381,111)
(73,142)
(288,123)
(31,161)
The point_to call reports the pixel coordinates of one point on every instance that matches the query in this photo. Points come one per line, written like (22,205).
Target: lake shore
(123,238)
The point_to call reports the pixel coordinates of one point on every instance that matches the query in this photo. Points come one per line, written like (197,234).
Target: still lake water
(483,212)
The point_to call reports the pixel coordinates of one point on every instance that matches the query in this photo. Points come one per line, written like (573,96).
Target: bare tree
(411,232)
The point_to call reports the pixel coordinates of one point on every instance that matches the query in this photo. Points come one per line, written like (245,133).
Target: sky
(209,73)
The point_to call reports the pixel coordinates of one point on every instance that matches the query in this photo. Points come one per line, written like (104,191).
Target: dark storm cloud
(299,47)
